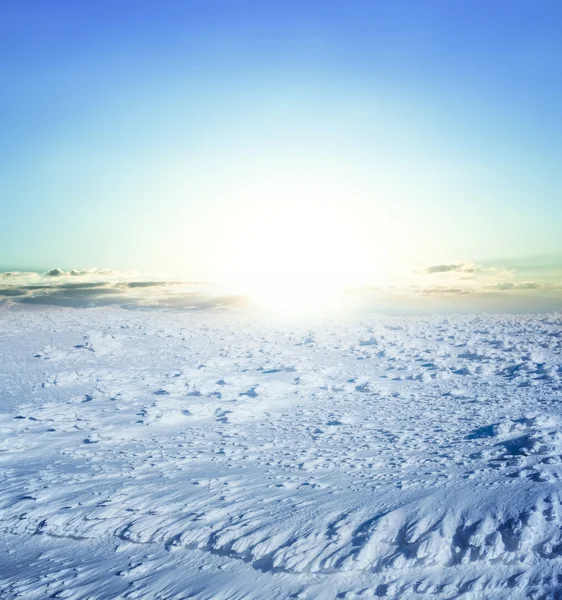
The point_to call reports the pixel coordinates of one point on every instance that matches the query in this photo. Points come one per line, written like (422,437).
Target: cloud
(458,267)
(79,285)
(92,271)
(18,275)
(57,272)
(54,273)
(146,284)
(512,285)
(442,290)
(105,287)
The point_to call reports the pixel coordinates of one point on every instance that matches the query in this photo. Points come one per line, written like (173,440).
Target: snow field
(223,455)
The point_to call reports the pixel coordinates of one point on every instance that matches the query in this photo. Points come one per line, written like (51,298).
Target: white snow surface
(220,455)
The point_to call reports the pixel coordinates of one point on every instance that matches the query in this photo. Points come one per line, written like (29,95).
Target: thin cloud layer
(14,275)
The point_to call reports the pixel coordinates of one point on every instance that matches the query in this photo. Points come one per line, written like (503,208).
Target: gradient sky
(194,136)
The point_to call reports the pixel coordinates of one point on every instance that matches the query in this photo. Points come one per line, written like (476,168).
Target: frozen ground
(163,455)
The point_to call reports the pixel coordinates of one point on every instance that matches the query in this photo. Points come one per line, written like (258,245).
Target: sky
(353,141)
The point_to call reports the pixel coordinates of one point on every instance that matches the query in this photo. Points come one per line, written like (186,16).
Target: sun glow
(294,237)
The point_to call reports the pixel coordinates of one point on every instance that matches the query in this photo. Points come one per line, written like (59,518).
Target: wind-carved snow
(177,455)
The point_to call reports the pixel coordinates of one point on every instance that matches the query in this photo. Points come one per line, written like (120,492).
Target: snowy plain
(222,455)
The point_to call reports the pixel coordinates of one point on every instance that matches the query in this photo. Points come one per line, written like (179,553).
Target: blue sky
(195,137)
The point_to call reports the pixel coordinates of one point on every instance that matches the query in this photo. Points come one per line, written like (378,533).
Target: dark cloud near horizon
(12,292)
(57,286)
(124,294)
(145,284)
(79,286)
(85,301)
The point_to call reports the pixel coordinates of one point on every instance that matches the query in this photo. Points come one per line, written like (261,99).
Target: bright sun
(294,295)
(294,262)
(293,242)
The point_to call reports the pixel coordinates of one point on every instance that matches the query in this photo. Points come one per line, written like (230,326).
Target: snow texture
(177,455)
